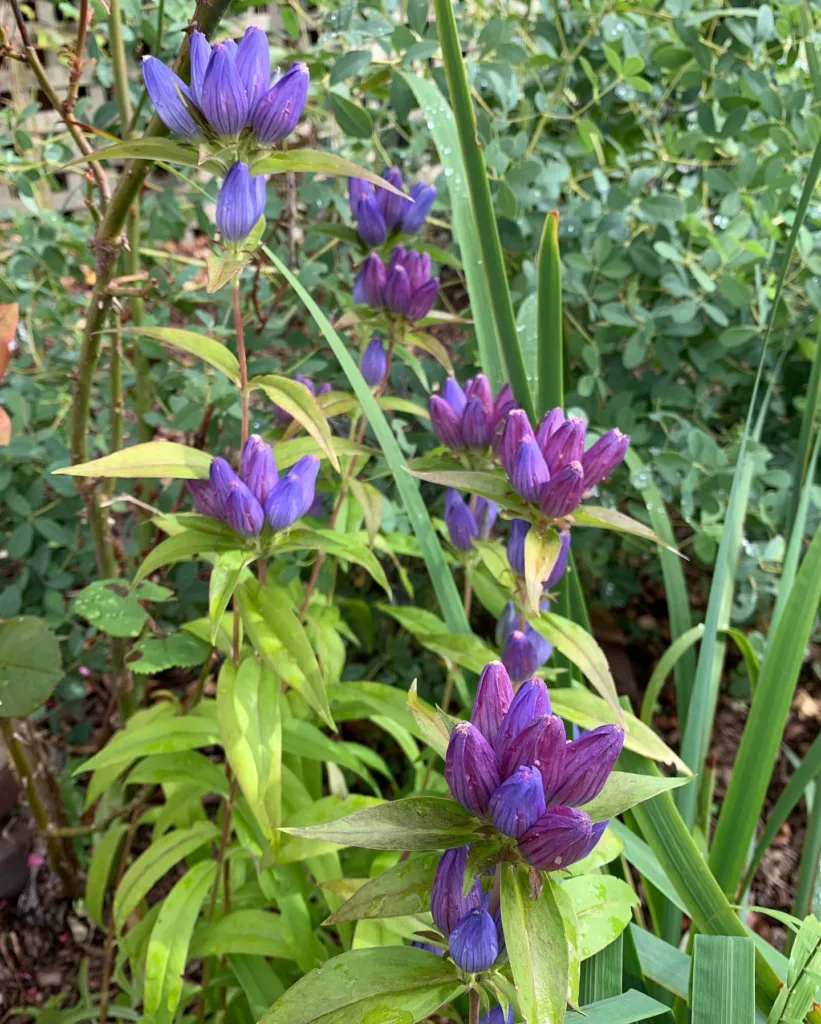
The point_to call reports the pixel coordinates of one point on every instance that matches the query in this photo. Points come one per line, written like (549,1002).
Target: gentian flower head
(404,287)
(240,203)
(379,212)
(293,495)
(465,417)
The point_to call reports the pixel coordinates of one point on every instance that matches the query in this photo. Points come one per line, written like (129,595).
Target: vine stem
(475,1007)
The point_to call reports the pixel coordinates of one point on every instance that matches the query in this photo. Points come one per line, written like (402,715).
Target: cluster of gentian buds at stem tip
(258,494)
(469,417)
(404,287)
(379,213)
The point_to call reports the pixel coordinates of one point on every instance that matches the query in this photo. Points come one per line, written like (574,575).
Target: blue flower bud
(447,425)
(448,904)
(548,425)
(519,802)
(560,567)
(541,745)
(601,458)
(279,109)
(429,947)
(166,90)
(369,220)
(517,427)
(519,657)
(306,382)
(486,514)
(565,445)
(461,522)
(253,64)
(454,395)
(242,511)
(595,835)
(205,500)
(474,944)
(542,649)
(564,491)
(507,622)
(199,53)
(293,494)
(221,478)
(374,362)
(557,840)
(503,405)
(494,695)
(498,1016)
(587,765)
(530,472)
(397,290)
(414,214)
(417,265)
(240,203)
(519,529)
(471,768)
(258,468)
(392,206)
(531,701)
(369,287)
(476,426)
(422,300)
(223,99)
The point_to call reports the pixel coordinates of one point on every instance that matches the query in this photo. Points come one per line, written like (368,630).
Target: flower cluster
(378,212)
(474,935)
(550,466)
(245,502)
(465,523)
(230,90)
(404,287)
(469,417)
(513,764)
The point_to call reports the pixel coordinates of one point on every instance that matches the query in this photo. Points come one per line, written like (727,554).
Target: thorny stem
(475,1007)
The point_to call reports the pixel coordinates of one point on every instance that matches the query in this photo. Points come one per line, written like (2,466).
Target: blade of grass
(808,893)
(447,593)
(801,469)
(723,980)
(484,216)
(550,389)
(666,664)
(601,974)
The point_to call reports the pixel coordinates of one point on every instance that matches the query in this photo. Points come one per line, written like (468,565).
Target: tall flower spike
(448,904)
(558,839)
(541,744)
(223,99)
(530,472)
(461,522)
(240,203)
(258,468)
(531,700)
(166,90)
(587,765)
(563,493)
(253,64)
(519,802)
(414,214)
(471,768)
(374,362)
(278,110)
(601,458)
(494,695)
(474,944)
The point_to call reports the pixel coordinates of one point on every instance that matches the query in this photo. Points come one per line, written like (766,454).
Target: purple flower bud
(560,567)
(398,257)
(563,493)
(397,290)
(530,472)
(417,265)
(519,529)
(565,445)
(548,425)
(414,215)
(474,944)
(494,695)
(199,53)
(325,388)
(601,458)
(306,382)
(240,203)
(531,701)
(476,427)
(454,395)
(486,513)
(587,765)
(166,90)
(279,109)
(231,46)
(221,478)
(422,300)
(392,206)
(205,500)
(242,511)
(258,468)
(519,657)
(505,404)
(517,426)
(223,99)
(374,362)
(293,494)
(479,387)
(253,64)
(542,649)
(507,622)
(460,521)
(595,835)
(448,904)
(368,289)
(557,840)
(447,425)
(498,1016)
(541,745)
(471,768)
(369,220)
(519,802)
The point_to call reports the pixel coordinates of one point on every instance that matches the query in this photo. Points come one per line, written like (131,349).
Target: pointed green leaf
(623,791)
(314,161)
(542,551)
(152,459)
(297,400)
(200,345)
(30,665)
(402,889)
(579,647)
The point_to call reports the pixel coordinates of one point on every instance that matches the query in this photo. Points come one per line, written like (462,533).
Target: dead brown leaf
(9,315)
(5,428)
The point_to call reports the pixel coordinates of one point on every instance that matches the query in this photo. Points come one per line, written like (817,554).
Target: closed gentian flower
(447,424)
(479,387)
(476,425)
(596,832)
(370,223)
(240,203)
(486,513)
(455,396)
(391,205)
(242,511)
(397,291)
(541,745)
(494,695)
(548,425)
(503,405)
(221,478)
(565,445)
(471,768)
(506,623)
(448,904)
(601,458)
(519,802)
(409,289)
(497,1016)
(279,109)
(519,529)
(166,90)
(368,289)
(517,427)
(560,567)
(205,499)
(587,764)
(557,840)
(460,520)
(199,53)
(374,362)
(562,494)
(253,64)
(519,656)
(413,215)
(293,494)
(474,944)
(529,472)
(530,702)
(223,98)
(258,468)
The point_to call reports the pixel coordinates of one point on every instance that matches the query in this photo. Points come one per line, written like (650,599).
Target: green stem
(115,372)
(475,1007)
(119,66)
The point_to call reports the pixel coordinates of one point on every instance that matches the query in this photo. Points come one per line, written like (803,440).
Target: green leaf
(349,64)
(492,485)
(200,345)
(318,162)
(579,647)
(152,459)
(252,932)
(542,551)
(291,451)
(415,823)
(351,118)
(110,606)
(186,767)
(604,907)
(429,721)
(536,944)
(30,665)
(99,871)
(183,546)
(221,270)
(629,1008)
(550,344)
(225,575)
(170,938)
(344,546)
(158,736)
(623,791)
(611,519)
(667,661)
(151,865)
(258,980)
(297,400)
(402,889)
(156,654)
(394,983)
(723,980)
(269,609)
(157,150)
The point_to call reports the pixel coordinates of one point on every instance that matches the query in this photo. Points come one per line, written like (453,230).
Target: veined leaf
(99,871)
(623,791)
(162,736)
(723,986)
(314,161)
(183,546)
(611,519)
(291,451)
(603,905)
(541,554)
(579,647)
(250,931)
(152,459)
(164,151)
(402,889)
(297,400)
(222,583)
(200,345)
